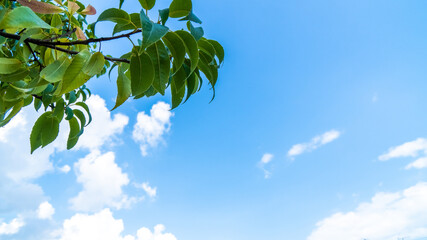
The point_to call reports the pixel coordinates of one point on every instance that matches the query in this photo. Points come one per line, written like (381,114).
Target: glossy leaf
(160,58)
(73,136)
(55,71)
(94,65)
(22,17)
(151,32)
(219,50)
(190,47)
(124,89)
(180,8)
(147,4)
(74,77)
(9,65)
(114,15)
(45,131)
(142,73)
(176,47)
(177,95)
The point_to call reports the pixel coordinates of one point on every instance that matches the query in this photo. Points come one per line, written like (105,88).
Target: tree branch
(34,55)
(53,46)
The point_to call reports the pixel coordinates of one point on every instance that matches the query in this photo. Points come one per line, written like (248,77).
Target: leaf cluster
(48,53)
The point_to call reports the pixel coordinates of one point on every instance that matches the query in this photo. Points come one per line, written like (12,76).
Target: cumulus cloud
(103,226)
(413,149)
(12,227)
(103,127)
(266,159)
(45,211)
(20,168)
(151,191)
(148,130)
(102,181)
(315,143)
(387,216)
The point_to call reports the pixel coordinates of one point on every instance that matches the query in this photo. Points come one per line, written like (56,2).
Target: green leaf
(197,32)
(121,3)
(59,110)
(55,71)
(95,64)
(114,15)
(15,110)
(142,73)
(37,104)
(151,32)
(19,75)
(191,17)
(124,89)
(207,48)
(69,113)
(164,15)
(9,65)
(190,47)
(192,85)
(180,76)
(22,17)
(85,107)
(147,4)
(160,58)
(74,77)
(218,49)
(73,136)
(79,114)
(45,131)
(134,24)
(176,47)
(210,71)
(177,95)
(180,8)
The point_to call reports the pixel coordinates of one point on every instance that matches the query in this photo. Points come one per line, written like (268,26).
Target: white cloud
(315,143)
(12,227)
(266,159)
(387,216)
(100,226)
(103,226)
(65,169)
(409,149)
(102,181)
(45,211)
(103,127)
(157,234)
(151,191)
(148,130)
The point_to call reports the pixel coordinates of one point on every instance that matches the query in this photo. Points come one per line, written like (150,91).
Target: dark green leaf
(114,15)
(151,32)
(160,58)
(142,73)
(164,15)
(73,137)
(191,17)
(176,47)
(147,4)
(85,107)
(123,88)
(190,47)
(218,49)
(69,113)
(180,8)
(177,95)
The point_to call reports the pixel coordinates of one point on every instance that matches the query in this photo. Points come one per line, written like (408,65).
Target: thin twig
(34,55)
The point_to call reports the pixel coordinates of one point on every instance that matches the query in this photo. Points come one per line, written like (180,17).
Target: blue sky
(330,94)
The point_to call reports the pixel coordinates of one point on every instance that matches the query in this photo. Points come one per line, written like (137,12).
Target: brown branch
(53,46)
(91,40)
(34,55)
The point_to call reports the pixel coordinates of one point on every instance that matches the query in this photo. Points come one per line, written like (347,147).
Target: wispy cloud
(315,143)
(415,149)
(150,191)
(265,160)
(387,216)
(149,130)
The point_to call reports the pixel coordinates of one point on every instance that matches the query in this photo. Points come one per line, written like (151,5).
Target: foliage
(48,52)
